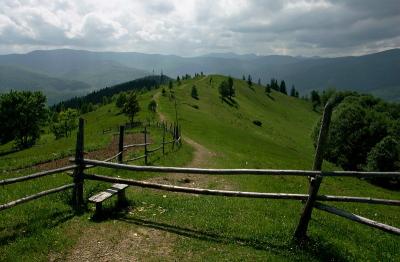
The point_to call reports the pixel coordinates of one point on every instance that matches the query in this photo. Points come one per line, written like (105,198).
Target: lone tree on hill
(121,100)
(223,89)
(231,89)
(64,123)
(194,93)
(268,88)
(170,85)
(131,107)
(315,99)
(152,106)
(293,92)
(282,88)
(274,84)
(249,81)
(22,113)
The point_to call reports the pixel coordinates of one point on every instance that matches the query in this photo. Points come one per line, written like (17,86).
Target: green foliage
(384,156)
(22,113)
(274,84)
(294,92)
(223,89)
(131,107)
(357,127)
(231,89)
(152,106)
(268,88)
(64,123)
(282,87)
(249,81)
(315,99)
(194,92)
(121,100)
(257,122)
(170,85)
(163,92)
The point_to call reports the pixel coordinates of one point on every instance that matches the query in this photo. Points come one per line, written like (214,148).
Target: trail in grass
(126,242)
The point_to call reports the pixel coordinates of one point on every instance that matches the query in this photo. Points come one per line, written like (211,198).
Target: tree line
(364,133)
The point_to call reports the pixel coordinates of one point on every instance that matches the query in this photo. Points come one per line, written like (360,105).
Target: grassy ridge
(282,142)
(207,228)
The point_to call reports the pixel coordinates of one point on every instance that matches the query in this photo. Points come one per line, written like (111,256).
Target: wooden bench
(116,189)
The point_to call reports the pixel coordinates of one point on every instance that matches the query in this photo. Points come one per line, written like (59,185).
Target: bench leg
(122,198)
(99,209)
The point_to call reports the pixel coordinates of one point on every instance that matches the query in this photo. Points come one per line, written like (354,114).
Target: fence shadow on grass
(27,228)
(312,249)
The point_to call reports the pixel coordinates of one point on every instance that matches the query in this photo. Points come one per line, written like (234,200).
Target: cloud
(307,27)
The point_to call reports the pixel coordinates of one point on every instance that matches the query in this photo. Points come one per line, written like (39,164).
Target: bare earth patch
(100,154)
(120,241)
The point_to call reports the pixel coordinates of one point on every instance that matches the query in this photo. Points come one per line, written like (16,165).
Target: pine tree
(293,91)
(131,107)
(249,81)
(282,88)
(268,89)
(231,89)
(194,93)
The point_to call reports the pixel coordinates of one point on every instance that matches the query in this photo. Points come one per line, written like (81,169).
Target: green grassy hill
(172,226)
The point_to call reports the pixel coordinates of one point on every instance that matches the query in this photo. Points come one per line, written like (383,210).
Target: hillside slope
(177,226)
(56,89)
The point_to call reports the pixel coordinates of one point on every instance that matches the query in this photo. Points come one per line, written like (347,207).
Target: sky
(198,27)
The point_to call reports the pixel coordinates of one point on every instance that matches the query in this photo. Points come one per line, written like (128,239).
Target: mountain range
(64,73)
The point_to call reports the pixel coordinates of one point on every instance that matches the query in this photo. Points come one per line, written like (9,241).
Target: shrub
(257,122)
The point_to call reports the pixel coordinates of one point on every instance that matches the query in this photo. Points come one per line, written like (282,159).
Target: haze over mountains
(64,73)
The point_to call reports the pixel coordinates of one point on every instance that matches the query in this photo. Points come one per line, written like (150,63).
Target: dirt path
(121,241)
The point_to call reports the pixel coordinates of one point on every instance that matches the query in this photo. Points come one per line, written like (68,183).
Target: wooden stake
(315,182)
(357,218)
(78,172)
(163,140)
(121,144)
(145,145)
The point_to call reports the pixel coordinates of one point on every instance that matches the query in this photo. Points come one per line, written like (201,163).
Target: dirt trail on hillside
(136,242)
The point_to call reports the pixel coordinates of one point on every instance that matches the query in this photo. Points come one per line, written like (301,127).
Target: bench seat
(116,189)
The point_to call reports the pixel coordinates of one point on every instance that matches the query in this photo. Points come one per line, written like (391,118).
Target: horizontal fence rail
(137,145)
(190,170)
(201,191)
(36,175)
(35,196)
(357,218)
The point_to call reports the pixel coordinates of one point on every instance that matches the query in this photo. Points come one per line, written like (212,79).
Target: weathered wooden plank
(357,218)
(199,191)
(35,196)
(154,150)
(208,171)
(121,144)
(36,175)
(77,197)
(119,186)
(135,158)
(136,145)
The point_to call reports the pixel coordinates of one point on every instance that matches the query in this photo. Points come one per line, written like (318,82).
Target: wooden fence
(77,184)
(312,199)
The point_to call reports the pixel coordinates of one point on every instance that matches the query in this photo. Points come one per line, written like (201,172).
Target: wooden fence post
(315,182)
(77,197)
(163,140)
(173,136)
(121,144)
(145,145)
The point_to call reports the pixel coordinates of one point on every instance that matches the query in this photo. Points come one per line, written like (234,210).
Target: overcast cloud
(184,27)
